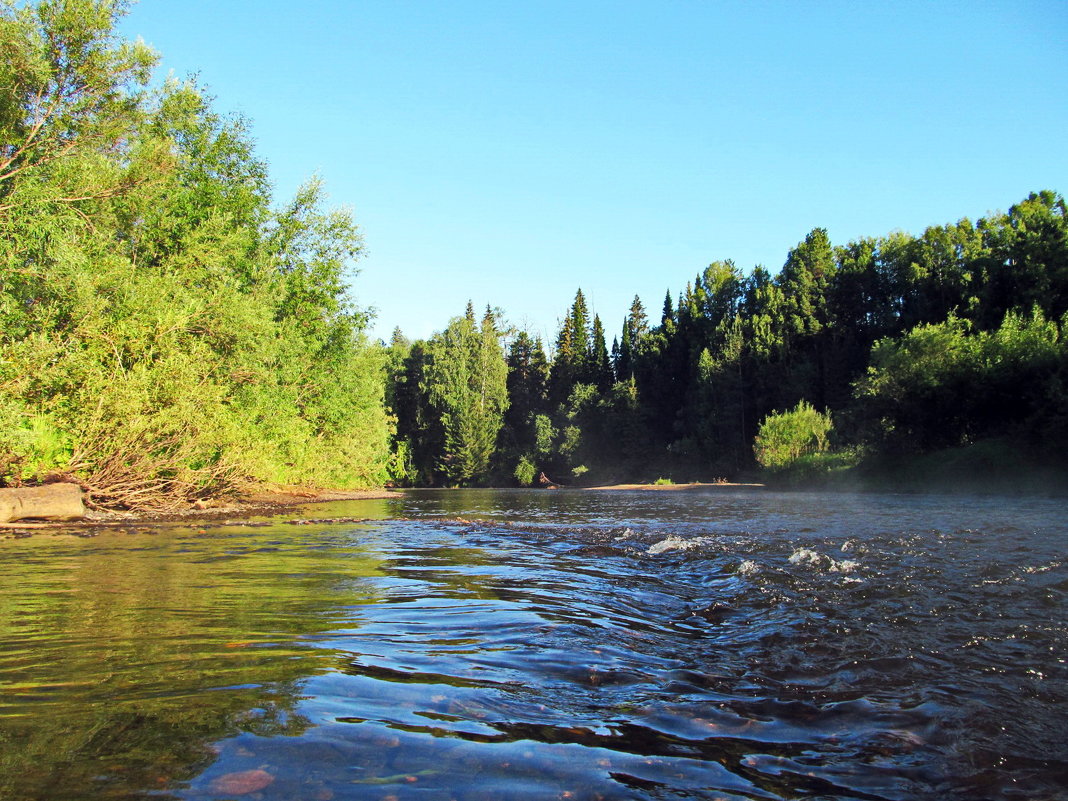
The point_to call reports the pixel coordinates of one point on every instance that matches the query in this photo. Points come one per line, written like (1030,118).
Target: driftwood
(547,482)
(48,502)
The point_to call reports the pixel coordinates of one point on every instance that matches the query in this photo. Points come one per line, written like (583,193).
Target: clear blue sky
(509,153)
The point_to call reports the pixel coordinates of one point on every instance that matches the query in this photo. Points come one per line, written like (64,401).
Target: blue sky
(510,153)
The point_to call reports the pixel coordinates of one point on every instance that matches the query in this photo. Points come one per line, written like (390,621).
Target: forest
(169,331)
(867,355)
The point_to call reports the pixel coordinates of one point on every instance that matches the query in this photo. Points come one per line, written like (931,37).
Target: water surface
(543,645)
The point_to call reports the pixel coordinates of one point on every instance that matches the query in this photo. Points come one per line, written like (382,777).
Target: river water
(699,644)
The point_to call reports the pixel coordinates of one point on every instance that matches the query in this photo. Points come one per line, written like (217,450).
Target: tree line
(909,344)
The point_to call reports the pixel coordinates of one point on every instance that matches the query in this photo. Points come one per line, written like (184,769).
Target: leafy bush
(525,471)
(786,437)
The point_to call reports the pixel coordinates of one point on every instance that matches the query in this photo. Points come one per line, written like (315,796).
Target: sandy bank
(676,487)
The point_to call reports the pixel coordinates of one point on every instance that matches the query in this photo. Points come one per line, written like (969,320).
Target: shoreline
(270,502)
(264,505)
(259,502)
(676,487)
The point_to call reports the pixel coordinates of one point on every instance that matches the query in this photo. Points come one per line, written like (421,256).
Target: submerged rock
(241,783)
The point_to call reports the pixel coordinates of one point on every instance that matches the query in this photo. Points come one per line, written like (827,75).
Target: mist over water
(493,645)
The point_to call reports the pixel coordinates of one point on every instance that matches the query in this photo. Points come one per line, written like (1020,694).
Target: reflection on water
(528,645)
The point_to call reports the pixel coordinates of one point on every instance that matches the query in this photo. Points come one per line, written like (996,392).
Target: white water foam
(806,556)
(673,543)
(748,568)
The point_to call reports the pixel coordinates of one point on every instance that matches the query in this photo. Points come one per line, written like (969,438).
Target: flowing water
(716,644)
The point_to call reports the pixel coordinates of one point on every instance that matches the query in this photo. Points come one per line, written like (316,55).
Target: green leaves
(785,437)
(166,330)
(69,92)
(945,385)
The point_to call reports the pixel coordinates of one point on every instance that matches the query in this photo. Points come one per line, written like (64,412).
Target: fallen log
(547,482)
(47,502)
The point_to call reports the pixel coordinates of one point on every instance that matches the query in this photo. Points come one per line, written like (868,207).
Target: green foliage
(916,391)
(527,385)
(631,343)
(786,437)
(70,92)
(544,434)
(165,333)
(402,469)
(944,385)
(600,368)
(525,472)
(33,446)
(804,280)
(574,361)
(465,381)
(569,442)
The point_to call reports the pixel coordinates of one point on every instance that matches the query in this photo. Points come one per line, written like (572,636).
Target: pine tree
(667,317)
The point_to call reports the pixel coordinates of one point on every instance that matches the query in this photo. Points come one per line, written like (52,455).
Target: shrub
(525,472)
(786,437)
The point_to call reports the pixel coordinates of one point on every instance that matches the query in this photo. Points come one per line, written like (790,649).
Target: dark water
(673,645)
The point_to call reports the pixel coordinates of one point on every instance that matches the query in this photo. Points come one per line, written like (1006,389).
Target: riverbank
(264,501)
(258,502)
(676,487)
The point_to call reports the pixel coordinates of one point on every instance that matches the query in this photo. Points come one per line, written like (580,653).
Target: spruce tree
(601,368)
(573,359)
(635,329)
(583,346)
(466,382)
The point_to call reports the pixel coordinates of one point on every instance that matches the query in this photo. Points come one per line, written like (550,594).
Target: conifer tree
(635,329)
(528,376)
(466,382)
(583,346)
(804,279)
(667,317)
(573,358)
(601,367)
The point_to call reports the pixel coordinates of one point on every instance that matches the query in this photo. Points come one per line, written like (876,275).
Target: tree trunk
(48,502)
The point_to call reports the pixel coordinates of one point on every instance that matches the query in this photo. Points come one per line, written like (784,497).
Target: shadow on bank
(992,467)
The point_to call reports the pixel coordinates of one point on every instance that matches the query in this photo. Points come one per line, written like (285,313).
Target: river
(699,644)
